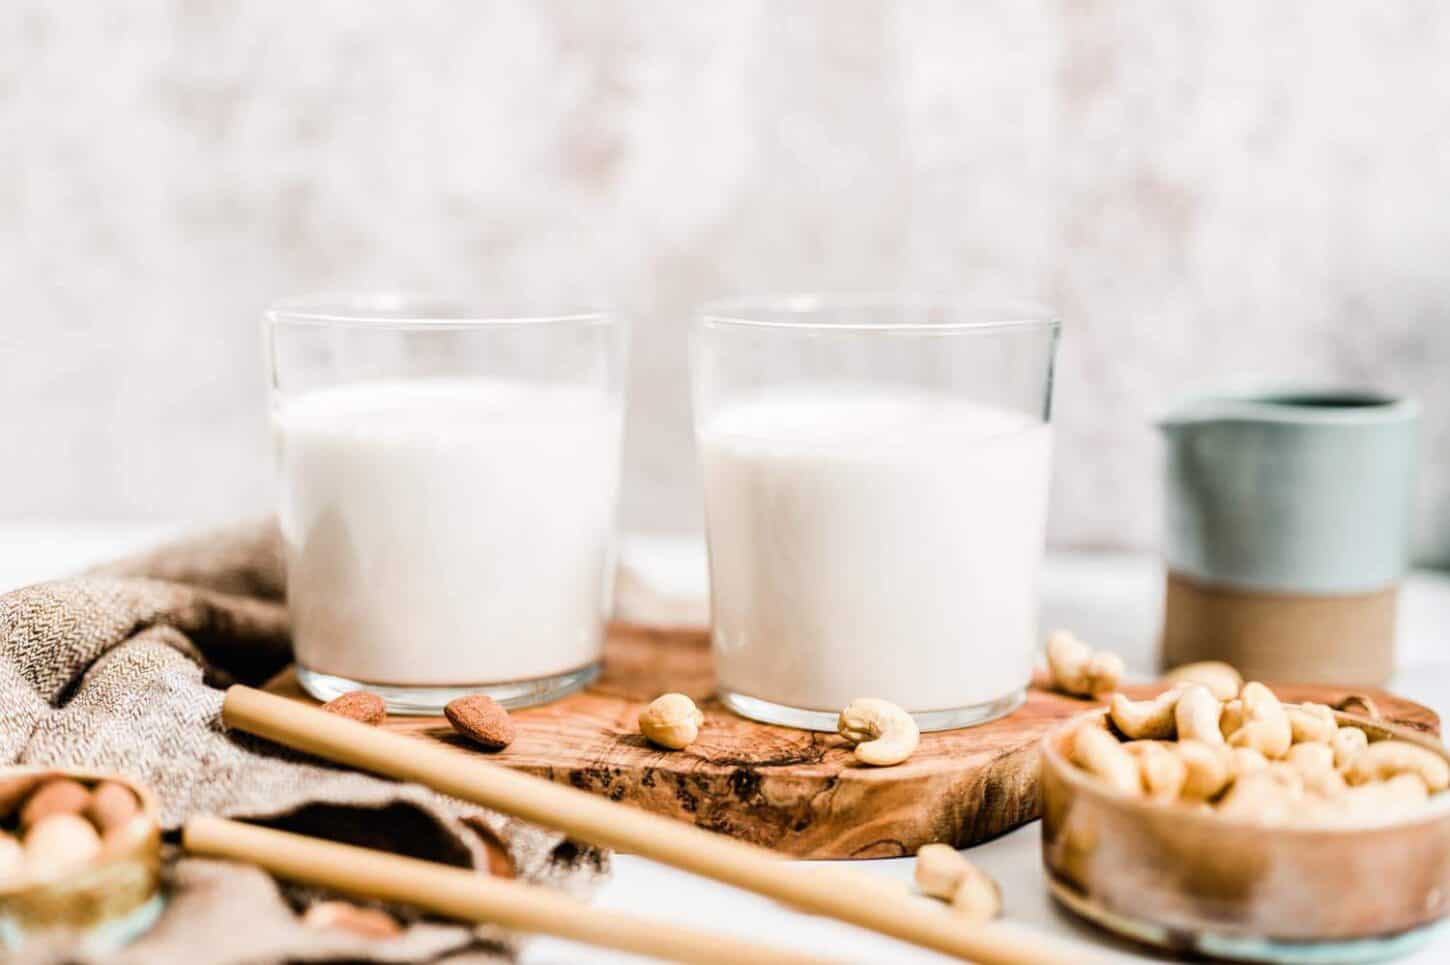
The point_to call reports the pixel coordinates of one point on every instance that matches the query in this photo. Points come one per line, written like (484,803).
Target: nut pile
(51,825)
(1215,743)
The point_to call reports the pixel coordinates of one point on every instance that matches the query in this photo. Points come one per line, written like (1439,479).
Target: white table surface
(1110,599)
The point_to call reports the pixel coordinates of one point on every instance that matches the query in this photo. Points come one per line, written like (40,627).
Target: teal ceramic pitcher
(1286,534)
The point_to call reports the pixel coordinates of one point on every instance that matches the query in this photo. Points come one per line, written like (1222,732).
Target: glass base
(768,712)
(426,701)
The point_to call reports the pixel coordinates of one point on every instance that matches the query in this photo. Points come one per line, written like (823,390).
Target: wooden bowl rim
(150,807)
(1437,809)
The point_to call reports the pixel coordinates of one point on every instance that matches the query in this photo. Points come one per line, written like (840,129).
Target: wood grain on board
(798,792)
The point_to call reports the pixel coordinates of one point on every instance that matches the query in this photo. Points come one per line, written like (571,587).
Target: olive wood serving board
(798,792)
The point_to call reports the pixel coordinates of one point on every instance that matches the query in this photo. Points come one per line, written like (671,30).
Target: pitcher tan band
(1304,637)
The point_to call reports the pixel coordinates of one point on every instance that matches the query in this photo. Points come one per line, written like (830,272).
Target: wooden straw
(624,828)
(468,895)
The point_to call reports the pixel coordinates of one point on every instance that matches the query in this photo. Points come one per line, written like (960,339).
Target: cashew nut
(978,898)
(1232,717)
(1221,679)
(1315,763)
(1387,759)
(1246,760)
(1310,722)
(942,872)
(883,733)
(1266,727)
(1367,804)
(1347,742)
(1268,796)
(1079,670)
(1208,767)
(1099,753)
(672,721)
(1196,715)
(1161,772)
(1310,757)
(939,868)
(1145,719)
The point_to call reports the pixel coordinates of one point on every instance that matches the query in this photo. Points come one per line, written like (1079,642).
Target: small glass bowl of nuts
(80,858)
(1213,819)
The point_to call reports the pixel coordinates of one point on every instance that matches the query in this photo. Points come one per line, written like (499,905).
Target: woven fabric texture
(122,669)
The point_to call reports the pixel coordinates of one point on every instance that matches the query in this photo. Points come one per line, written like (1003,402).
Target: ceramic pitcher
(1288,520)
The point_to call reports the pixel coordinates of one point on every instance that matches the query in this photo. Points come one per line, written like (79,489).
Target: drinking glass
(448,479)
(876,479)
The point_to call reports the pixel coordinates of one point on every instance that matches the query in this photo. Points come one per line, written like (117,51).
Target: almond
(12,856)
(59,795)
(59,843)
(368,922)
(360,706)
(15,789)
(111,805)
(481,720)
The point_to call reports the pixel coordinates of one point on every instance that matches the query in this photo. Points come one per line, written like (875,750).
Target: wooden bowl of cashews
(80,858)
(1241,828)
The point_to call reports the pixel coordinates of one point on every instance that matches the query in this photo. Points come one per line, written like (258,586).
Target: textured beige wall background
(1205,190)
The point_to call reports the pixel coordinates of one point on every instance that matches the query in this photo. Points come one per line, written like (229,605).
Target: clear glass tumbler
(448,483)
(876,480)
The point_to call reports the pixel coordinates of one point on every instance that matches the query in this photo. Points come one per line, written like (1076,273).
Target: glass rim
(961,313)
(393,310)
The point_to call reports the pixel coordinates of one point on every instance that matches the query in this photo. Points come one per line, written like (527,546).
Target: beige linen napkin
(122,670)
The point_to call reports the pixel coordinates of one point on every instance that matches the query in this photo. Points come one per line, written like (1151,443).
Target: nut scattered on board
(883,733)
(1078,670)
(367,922)
(1253,758)
(942,872)
(482,720)
(1221,679)
(359,705)
(59,795)
(671,721)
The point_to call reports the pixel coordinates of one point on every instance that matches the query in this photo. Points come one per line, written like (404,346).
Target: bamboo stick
(624,828)
(469,895)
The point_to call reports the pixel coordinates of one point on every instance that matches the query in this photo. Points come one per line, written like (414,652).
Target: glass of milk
(876,480)
(448,481)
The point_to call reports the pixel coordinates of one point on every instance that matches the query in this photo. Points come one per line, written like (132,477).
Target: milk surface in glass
(869,542)
(447,531)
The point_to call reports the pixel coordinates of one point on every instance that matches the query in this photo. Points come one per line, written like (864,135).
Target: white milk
(448,532)
(874,545)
